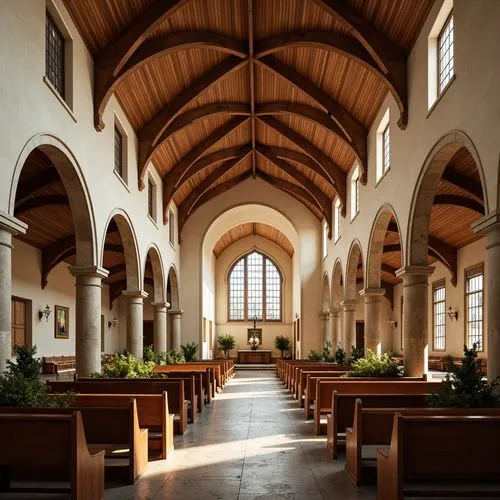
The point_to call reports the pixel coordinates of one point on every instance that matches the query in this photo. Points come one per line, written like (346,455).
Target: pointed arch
(337,295)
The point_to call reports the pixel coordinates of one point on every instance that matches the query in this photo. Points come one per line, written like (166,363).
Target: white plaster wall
(239,329)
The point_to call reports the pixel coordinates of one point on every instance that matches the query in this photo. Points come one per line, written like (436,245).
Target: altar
(250,356)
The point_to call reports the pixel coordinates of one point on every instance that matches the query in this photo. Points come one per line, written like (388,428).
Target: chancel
(249,231)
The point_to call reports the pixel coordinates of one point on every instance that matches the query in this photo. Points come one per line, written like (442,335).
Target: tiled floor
(251,443)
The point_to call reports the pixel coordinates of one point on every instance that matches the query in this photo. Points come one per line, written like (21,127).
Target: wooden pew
(204,383)
(219,367)
(111,429)
(445,455)
(373,427)
(152,411)
(320,372)
(174,388)
(58,441)
(343,410)
(325,388)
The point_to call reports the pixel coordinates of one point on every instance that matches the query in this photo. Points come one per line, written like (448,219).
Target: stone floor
(251,443)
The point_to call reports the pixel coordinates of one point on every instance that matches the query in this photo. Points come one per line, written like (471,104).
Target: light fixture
(45,313)
(452,313)
(113,323)
(392,323)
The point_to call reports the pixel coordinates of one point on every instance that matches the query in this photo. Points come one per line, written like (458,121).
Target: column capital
(12,224)
(334,313)
(372,292)
(161,304)
(135,294)
(92,271)
(348,305)
(486,224)
(176,311)
(415,271)
(325,314)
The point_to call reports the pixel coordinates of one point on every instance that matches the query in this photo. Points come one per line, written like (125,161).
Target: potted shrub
(190,351)
(282,343)
(126,366)
(375,366)
(226,344)
(340,355)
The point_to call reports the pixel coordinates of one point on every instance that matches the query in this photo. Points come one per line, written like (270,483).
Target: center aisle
(252,442)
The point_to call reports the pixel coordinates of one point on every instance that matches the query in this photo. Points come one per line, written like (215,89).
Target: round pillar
(373,313)
(335,328)
(160,326)
(325,326)
(135,314)
(349,323)
(176,329)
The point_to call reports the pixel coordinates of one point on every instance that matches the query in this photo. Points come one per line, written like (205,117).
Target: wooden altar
(259,356)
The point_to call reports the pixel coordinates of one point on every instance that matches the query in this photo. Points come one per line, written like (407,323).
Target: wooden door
(148,333)
(18,322)
(360,334)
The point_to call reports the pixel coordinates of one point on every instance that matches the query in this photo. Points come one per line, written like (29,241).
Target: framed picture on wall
(61,319)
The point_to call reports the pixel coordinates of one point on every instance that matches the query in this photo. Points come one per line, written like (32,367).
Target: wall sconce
(113,323)
(452,313)
(45,313)
(392,323)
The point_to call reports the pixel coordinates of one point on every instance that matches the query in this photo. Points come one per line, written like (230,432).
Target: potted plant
(226,343)
(190,351)
(375,366)
(282,343)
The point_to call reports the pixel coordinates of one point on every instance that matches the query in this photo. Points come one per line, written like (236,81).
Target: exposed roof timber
(344,45)
(459,201)
(334,172)
(173,179)
(390,57)
(388,269)
(393,227)
(111,59)
(354,134)
(55,253)
(321,200)
(40,201)
(119,268)
(251,80)
(159,47)
(463,182)
(152,135)
(193,115)
(112,227)
(186,207)
(27,188)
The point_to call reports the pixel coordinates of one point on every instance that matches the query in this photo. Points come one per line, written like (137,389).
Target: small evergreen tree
(282,343)
(340,355)
(226,343)
(190,351)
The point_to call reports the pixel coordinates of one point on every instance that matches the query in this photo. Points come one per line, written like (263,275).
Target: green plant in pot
(126,366)
(190,351)
(340,355)
(282,344)
(226,344)
(373,365)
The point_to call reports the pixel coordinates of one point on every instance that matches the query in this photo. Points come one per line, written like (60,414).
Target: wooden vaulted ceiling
(222,90)
(253,228)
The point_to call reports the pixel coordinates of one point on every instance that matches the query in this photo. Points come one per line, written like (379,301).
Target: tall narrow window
(474,306)
(439,316)
(171,227)
(401,322)
(18,326)
(118,166)
(338,215)
(355,193)
(254,289)
(325,239)
(386,150)
(150,199)
(54,55)
(446,58)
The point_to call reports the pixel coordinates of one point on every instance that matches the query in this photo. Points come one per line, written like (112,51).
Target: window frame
(442,89)
(51,23)
(116,148)
(469,273)
(171,227)
(386,150)
(246,317)
(438,285)
(355,183)
(325,240)
(151,199)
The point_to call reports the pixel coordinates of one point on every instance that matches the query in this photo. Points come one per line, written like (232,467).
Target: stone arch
(72,178)
(337,295)
(159,286)
(373,269)
(425,190)
(355,255)
(326,305)
(130,248)
(173,283)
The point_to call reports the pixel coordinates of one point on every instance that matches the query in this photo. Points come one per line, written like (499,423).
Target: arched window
(254,289)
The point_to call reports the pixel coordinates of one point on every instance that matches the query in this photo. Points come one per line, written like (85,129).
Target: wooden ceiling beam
(192,116)
(459,201)
(109,61)
(344,45)
(334,172)
(39,202)
(354,134)
(321,200)
(55,253)
(173,179)
(390,57)
(152,135)
(251,79)
(29,187)
(463,182)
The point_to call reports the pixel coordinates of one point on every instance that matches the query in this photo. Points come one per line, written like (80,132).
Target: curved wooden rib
(334,172)
(159,47)
(354,134)
(151,136)
(344,45)
(27,188)
(186,207)
(459,201)
(321,200)
(40,201)
(390,57)
(193,115)
(110,60)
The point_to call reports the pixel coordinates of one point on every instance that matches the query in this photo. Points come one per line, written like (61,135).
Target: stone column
(160,326)
(176,329)
(349,315)
(373,312)
(335,328)
(9,226)
(325,326)
(415,318)
(135,314)
(88,318)
(490,226)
